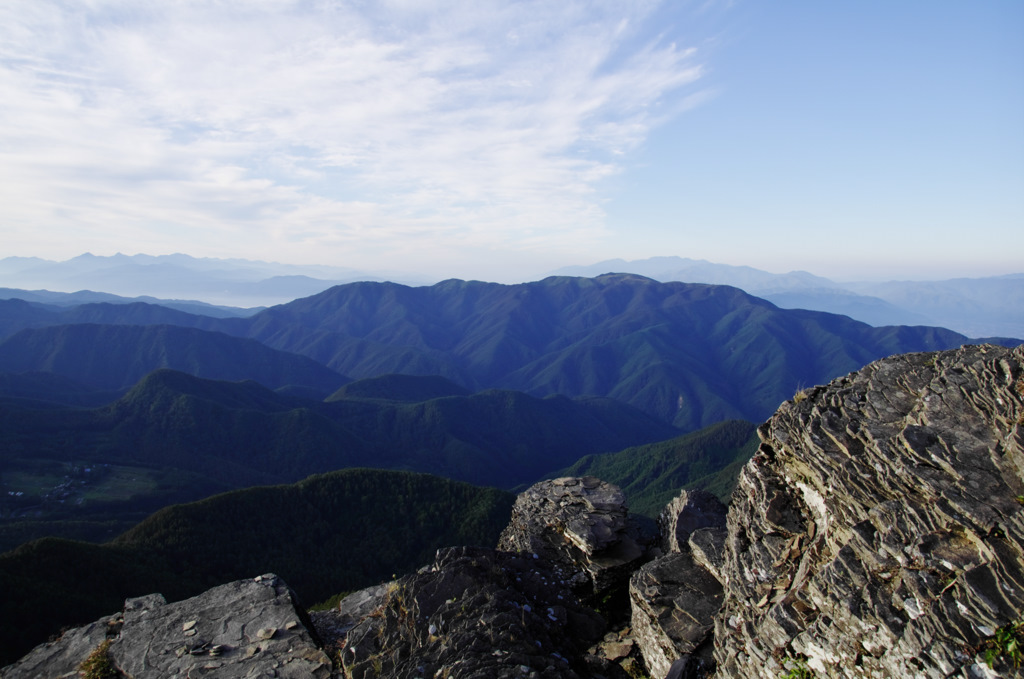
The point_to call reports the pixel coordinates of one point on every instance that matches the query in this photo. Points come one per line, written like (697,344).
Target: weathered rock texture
(690,511)
(674,599)
(580,524)
(674,605)
(475,613)
(878,531)
(248,628)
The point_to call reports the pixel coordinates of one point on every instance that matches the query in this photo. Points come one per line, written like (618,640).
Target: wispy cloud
(321,127)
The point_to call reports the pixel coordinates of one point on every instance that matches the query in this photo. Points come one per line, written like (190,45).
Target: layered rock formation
(879,529)
(581,524)
(248,628)
(674,599)
(473,613)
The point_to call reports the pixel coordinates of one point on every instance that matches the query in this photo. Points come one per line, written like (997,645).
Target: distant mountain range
(228,282)
(975,307)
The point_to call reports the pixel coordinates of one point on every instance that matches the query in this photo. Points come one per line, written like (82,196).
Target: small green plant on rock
(99,665)
(796,668)
(1008,641)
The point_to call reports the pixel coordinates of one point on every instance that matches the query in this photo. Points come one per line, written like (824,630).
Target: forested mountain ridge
(115,357)
(689,354)
(241,433)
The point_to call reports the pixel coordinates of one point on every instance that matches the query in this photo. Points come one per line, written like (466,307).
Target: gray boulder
(707,546)
(674,599)
(674,603)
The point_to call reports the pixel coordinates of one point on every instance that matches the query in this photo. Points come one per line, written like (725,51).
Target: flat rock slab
(247,628)
(244,628)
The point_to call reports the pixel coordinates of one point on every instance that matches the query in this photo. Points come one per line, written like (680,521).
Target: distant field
(82,500)
(122,483)
(49,484)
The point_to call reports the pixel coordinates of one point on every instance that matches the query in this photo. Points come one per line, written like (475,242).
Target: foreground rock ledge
(248,628)
(878,530)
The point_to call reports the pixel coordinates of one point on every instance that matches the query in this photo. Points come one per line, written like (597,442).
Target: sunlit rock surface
(879,530)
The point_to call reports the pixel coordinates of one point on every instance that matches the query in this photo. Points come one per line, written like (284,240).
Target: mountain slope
(690,354)
(118,356)
(652,475)
(17,315)
(241,433)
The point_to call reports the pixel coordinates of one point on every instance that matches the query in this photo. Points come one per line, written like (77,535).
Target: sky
(502,140)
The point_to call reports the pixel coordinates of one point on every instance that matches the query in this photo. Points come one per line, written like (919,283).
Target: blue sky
(501,140)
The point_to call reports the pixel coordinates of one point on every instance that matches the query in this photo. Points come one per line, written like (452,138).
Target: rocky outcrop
(248,628)
(583,526)
(674,599)
(475,613)
(879,529)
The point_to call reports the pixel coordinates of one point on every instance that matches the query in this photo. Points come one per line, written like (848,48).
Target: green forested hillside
(652,475)
(690,354)
(394,387)
(326,534)
(176,438)
(115,357)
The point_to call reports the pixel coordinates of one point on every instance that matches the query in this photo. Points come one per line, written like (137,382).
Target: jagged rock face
(690,511)
(877,532)
(674,605)
(245,628)
(674,599)
(474,613)
(581,524)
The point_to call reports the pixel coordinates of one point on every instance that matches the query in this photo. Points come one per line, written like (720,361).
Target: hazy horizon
(501,140)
